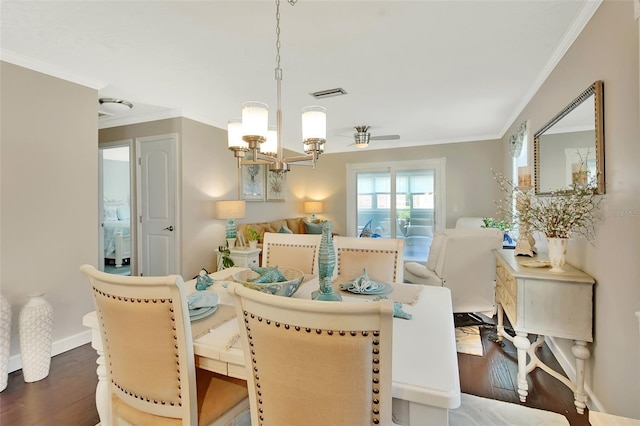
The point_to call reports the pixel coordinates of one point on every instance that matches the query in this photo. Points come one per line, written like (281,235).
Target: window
(416,211)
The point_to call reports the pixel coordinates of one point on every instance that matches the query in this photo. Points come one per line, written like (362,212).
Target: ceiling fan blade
(385,138)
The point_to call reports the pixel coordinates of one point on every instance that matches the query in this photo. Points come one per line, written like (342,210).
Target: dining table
(425,378)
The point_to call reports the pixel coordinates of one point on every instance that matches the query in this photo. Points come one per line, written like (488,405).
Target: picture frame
(276,186)
(240,240)
(252,182)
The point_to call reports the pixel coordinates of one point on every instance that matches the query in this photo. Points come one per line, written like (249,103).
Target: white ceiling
(430,71)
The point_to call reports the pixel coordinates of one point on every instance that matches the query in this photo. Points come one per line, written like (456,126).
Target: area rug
(468,340)
(477,411)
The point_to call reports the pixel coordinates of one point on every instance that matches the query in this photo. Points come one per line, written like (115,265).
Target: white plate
(536,263)
(201,314)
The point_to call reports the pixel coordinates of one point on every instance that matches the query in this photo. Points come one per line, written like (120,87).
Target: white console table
(545,303)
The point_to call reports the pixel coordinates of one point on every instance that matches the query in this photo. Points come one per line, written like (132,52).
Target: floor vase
(5,340)
(35,325)
(557,253)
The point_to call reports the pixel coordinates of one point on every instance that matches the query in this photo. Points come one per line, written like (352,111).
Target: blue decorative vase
(326,265)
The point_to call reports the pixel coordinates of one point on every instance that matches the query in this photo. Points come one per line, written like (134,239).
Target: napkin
(203,281)
(202,299)
(361,284)
(397,309)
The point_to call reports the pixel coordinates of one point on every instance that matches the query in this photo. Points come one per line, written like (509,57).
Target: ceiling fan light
(314,123)
(255,119)
(234,134)
(362,139)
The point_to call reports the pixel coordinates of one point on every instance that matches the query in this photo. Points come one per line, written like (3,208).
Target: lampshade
(235,209)
(255,119)
(313,206)
(234,133)
(270,146)
(314,122)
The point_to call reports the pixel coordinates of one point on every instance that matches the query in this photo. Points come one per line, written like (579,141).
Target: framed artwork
(252,178)
(276,186)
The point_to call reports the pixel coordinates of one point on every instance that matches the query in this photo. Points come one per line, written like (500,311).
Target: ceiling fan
(362,137)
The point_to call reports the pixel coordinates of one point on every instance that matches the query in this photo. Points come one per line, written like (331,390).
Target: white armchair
(462,260)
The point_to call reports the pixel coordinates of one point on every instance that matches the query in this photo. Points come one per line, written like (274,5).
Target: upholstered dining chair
(315,363)
(382,258)
(298,251)
(146,333)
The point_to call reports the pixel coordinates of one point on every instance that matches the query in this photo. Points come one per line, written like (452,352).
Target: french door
(397,200)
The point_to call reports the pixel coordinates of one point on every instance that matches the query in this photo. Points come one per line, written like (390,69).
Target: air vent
(329,93)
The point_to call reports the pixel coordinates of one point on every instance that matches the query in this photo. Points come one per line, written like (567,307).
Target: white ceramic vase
(5,340)
(35,325)
(557,253)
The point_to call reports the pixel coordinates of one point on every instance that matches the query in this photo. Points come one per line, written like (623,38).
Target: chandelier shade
(255,120)
(234,134)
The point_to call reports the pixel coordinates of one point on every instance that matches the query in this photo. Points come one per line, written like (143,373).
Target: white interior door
(157,199)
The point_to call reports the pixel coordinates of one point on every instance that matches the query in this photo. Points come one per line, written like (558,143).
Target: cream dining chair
(299,251)
(146,333)
(382,258)
(315,363)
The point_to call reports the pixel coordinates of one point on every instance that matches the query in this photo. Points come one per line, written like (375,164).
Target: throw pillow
(313,228)
(284,230)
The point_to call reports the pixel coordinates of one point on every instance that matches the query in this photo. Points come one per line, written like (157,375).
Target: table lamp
(313,207)
(231,210)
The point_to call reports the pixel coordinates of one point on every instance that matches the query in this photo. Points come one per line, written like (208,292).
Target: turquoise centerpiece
(326,265)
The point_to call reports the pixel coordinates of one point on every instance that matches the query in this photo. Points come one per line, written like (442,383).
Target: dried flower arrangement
(559,214)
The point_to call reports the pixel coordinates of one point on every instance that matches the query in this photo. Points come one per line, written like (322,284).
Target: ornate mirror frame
(544,136)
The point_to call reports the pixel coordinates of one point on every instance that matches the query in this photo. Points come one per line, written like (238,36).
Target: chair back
(299,251)
(144,324)
(382,258)
(316,363)
(467,266)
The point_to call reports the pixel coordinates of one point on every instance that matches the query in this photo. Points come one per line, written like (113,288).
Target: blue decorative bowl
(284,288)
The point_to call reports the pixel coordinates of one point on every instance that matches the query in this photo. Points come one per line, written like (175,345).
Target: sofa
(297,225)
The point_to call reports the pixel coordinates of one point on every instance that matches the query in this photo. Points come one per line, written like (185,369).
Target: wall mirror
(571,141)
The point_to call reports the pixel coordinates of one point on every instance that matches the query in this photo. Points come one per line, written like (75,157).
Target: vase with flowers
(558,215)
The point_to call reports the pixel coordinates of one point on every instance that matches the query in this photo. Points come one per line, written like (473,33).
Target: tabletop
(425,362)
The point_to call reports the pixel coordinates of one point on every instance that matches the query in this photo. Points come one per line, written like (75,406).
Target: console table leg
(581,352)
(522,343)
(500,326)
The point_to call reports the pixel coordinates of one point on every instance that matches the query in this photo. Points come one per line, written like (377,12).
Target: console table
(545,303)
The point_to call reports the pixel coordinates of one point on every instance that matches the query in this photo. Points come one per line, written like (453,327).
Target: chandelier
(252,133)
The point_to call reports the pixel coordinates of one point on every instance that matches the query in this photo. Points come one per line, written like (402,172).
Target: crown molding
(52,70)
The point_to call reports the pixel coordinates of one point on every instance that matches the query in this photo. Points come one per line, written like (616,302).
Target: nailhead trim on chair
(375,369)
(313,266)
(395,262)
(175,337)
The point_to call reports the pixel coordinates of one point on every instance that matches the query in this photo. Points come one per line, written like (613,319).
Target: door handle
(168,228)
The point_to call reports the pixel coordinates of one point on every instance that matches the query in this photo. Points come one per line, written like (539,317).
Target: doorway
(114,166)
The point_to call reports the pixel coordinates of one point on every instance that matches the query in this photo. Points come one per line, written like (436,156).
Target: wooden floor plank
(67,396)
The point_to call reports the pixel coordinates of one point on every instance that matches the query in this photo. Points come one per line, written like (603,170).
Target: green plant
(252,234)
(502,225)
(227,262)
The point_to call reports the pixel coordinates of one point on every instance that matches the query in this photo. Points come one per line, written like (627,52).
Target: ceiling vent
(329,93)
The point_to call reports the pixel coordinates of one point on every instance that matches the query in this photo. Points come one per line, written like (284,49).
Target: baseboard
(58,347)
(569,367)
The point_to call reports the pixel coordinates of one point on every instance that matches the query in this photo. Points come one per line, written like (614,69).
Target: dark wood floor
(66,397)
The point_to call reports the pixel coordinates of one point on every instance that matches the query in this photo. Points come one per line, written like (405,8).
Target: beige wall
(49,203)
(607,50)
(470,188)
